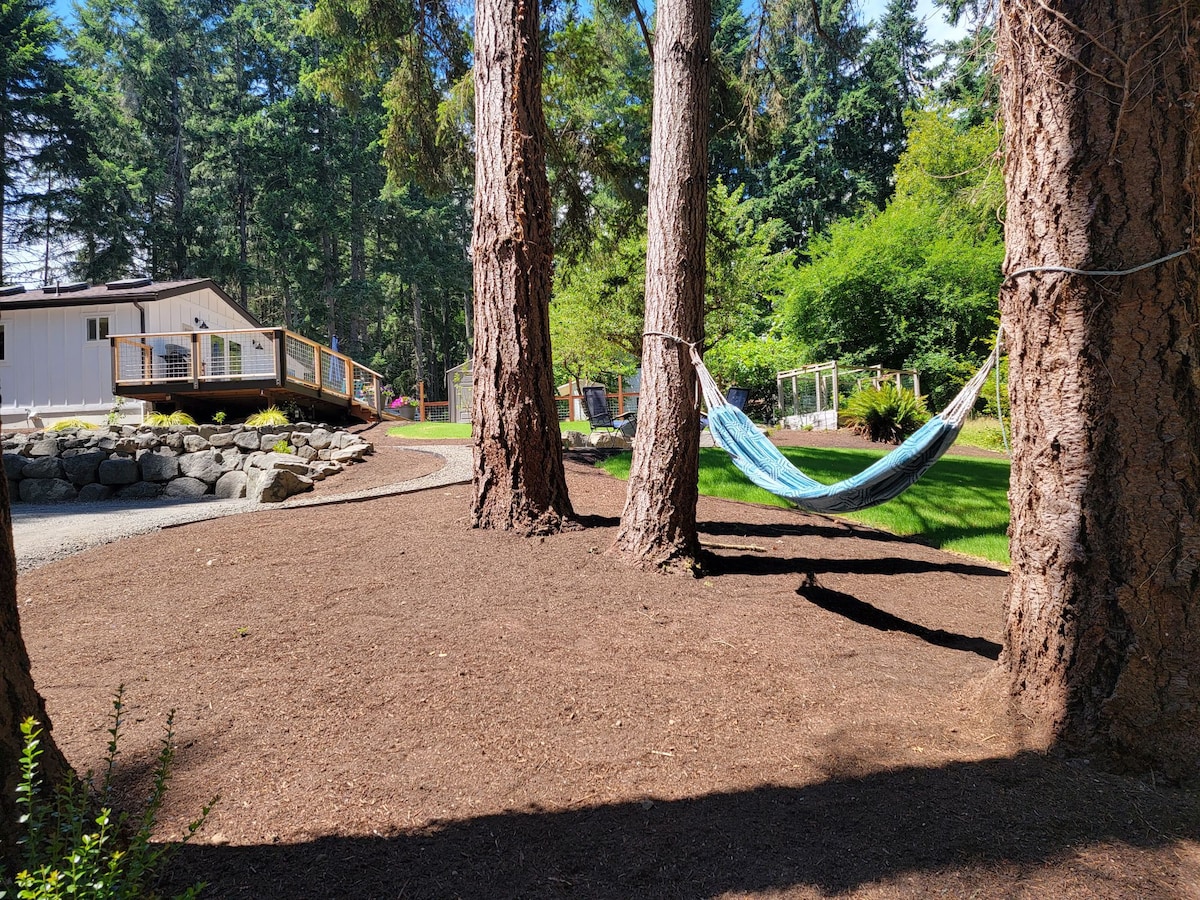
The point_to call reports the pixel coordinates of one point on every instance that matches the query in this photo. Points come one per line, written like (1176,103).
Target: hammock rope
(886,478)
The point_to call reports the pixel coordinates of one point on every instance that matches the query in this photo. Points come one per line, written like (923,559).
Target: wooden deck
(244,369)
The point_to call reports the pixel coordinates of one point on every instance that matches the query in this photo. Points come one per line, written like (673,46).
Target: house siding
(52,368)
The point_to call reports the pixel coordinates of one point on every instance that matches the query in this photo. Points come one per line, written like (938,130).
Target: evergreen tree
(33,113)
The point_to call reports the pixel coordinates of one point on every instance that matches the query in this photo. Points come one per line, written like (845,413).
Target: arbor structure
(1101,134)
(18,698)
(519,482)
(658,525)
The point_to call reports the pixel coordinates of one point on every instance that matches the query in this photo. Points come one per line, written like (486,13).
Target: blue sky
(936,27)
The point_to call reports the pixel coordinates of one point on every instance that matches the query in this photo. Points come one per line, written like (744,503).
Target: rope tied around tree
(1096,273)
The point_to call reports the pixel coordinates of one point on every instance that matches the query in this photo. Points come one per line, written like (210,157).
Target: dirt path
(391,704)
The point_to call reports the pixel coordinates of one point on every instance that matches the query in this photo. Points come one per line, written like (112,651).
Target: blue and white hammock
(888,477)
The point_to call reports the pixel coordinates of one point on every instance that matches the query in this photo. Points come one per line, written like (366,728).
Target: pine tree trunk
(418,334)
(658,525)
(19,699)
(1104,601)
(519,482)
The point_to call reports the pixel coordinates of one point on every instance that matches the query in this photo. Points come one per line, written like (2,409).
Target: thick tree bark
(519,482)
(658,525)
(1104,601)
(18,698)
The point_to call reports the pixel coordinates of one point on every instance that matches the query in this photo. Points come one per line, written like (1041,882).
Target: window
(97,328)
(2,356)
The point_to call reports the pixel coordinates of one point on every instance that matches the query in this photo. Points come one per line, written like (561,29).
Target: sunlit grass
(444,431)
(982,433)
(961,504)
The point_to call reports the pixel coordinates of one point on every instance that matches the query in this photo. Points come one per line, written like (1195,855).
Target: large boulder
(230,459)
(247,441)
(43,467)
(117,470)
(319,439)
(162,466)
(289,461)
(185,487)
(83,468)
(348,454)
(275,485)
(231,486)
(203,465)
(607,440)
(46,490)
(92,493)
(193,443)
(141,490)
(42,447)
(14,465)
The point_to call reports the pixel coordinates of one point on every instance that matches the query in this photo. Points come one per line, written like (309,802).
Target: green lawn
(961,504)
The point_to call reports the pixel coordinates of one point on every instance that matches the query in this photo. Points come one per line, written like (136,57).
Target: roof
(131,290)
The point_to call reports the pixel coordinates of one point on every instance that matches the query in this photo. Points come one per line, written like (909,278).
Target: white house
(55,355)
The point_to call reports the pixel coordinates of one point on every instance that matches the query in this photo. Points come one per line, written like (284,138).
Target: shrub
(165,420)
(72,845)
(71,424)
(219,418)
(885,413)
(282,447)
(272,415)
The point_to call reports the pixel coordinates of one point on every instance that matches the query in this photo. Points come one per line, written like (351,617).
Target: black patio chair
(736,396)
(595,404)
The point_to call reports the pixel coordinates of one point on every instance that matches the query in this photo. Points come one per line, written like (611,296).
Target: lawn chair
(736,396)
(595,404)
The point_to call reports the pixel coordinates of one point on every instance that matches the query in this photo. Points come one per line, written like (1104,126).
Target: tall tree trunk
(178,185)
(19,699)
(658,525)
(418,334)
(1104,601)
(3,190)
(519,482)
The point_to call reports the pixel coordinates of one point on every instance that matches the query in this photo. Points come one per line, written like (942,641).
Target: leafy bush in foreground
(69,849)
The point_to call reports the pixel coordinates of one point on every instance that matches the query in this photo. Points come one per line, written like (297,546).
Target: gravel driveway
(48,532)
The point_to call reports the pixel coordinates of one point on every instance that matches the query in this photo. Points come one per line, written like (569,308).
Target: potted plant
(404,406)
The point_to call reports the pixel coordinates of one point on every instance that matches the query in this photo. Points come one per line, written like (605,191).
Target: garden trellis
(809,396)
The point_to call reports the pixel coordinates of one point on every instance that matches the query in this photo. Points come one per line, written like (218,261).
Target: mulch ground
(391,704)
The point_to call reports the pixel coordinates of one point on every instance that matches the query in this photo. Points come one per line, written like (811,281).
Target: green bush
(884,413)
(165,420)
(72,844)
(72,424)
(272,415)
(282,447)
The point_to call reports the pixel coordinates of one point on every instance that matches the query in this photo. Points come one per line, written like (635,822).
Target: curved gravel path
(48,532)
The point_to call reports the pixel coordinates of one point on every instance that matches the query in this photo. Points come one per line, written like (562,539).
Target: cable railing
(212,360)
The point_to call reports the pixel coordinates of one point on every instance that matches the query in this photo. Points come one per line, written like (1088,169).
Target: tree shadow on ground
(864,613)
(767,564)
(817,528)
(947,825)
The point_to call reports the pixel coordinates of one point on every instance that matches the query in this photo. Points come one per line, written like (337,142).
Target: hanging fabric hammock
(886,478)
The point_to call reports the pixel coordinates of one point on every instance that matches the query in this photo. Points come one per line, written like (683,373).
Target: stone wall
(139,463)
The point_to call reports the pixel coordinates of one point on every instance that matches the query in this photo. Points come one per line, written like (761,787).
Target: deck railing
(214,358)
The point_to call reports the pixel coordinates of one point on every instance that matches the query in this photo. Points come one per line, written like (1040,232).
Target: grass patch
(982,433)
(444,431)
(961,504)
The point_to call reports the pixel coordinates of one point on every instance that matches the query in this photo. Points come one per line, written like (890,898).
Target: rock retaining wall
(124,462)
